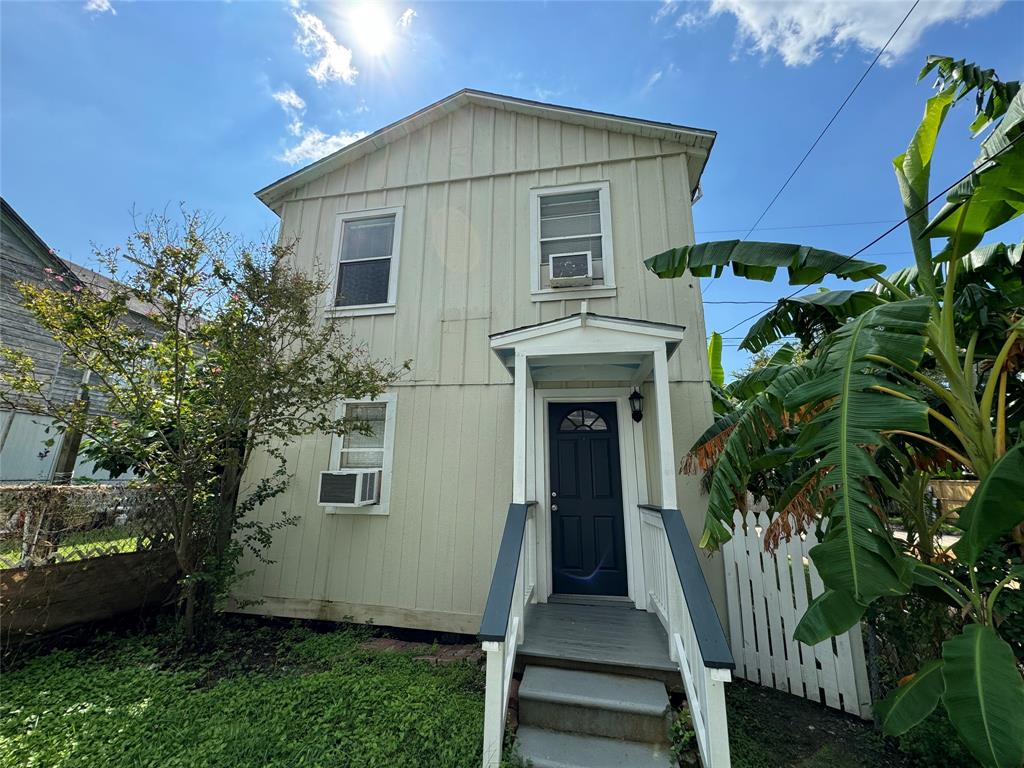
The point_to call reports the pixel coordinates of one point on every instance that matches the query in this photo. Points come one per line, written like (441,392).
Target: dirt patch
(768,728)
(434,654)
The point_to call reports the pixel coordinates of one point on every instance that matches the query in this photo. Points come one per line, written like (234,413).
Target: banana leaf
(912,701)
(984,696)
(715,360)
(754,432)
(995,188)
(996,507)
(857,556)
(830,613)
(760,261)
(913,172)
(808,317)
(758,380)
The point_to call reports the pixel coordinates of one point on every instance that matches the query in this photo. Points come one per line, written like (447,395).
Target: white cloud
(100,6)
(294,106)
(316,144)
(333,61)
(798,31)
(312,142)
(289,99)
(406,18)
(654,78)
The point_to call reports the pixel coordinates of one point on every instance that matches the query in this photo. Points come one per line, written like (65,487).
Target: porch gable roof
(570,341)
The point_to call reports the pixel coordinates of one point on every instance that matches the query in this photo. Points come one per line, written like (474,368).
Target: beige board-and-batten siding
(464,185)
(428,563)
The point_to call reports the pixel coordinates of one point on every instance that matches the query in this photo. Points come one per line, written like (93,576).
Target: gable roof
(28,236)
(701,140)
(74,274)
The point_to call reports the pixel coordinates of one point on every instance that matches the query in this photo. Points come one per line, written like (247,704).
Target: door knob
(554,507)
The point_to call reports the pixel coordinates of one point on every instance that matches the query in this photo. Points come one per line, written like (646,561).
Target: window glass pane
(578,213)
(570,226)
(583,420)
(371,414)
(362,460)
(363,282)
(368,238)
(575,245)
(572,204)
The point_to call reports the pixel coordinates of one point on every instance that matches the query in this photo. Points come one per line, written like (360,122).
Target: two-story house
(518,476)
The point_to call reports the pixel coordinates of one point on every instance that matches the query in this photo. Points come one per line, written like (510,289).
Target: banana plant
(927,360)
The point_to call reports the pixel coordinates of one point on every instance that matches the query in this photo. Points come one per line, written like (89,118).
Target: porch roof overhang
(587,346)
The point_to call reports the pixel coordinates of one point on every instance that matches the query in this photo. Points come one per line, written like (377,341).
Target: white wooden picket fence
(767,595)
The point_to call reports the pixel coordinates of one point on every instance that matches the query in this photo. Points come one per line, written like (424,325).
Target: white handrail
(705,689)
(501,654)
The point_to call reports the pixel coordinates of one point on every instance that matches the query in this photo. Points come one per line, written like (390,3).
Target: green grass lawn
(291,695)
(263,696)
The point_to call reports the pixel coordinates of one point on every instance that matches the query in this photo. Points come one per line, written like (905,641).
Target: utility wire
(887,232)
(738,302)
(798,226)
(832,120)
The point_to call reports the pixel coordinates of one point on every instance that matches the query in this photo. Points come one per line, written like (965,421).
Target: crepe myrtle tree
(921,373)
(233,360)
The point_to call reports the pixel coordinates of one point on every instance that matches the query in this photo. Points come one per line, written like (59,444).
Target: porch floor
(612,637)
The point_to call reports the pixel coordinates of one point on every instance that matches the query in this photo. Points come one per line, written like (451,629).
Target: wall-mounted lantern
(636,405)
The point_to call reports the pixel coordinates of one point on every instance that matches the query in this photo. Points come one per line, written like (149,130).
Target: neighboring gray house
(508,489)
(25,257)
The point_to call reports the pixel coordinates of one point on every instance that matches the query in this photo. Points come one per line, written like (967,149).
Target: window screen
(571,223)
(364,451)
(364,269)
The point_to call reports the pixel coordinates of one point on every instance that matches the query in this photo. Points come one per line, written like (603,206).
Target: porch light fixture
(636,405)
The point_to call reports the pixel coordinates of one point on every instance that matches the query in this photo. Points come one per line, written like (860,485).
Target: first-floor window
(359,476)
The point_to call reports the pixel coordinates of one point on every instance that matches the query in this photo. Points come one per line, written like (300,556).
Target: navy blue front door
(588,539)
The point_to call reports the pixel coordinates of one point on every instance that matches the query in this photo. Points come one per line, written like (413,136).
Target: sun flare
(373,29)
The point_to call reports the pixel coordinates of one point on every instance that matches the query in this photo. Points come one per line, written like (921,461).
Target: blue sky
(109,106)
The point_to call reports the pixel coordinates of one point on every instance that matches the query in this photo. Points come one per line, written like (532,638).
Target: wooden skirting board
(380,615)
(44,599)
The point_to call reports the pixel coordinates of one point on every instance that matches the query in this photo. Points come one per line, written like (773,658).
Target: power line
(798,226)
(831,120)
(738,302)
(887,232)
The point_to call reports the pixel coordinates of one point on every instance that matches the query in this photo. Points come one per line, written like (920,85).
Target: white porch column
(666,451)
(519,430)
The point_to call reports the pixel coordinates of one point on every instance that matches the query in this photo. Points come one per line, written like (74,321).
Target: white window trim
(390,399)
(604,290)
(356,310)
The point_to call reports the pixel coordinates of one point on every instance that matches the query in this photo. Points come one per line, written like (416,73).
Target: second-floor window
(367,259)
(572,244)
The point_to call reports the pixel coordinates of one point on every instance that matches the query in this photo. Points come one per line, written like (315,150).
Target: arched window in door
(583,420)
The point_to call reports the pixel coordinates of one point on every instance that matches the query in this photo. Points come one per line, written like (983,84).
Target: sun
(372,29)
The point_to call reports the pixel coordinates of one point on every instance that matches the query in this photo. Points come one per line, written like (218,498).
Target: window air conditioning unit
(350,488)
(569,269)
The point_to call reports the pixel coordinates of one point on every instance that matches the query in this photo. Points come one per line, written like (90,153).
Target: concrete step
(595,704)
(553,749)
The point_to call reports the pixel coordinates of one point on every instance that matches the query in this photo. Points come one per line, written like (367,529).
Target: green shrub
(934,744)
